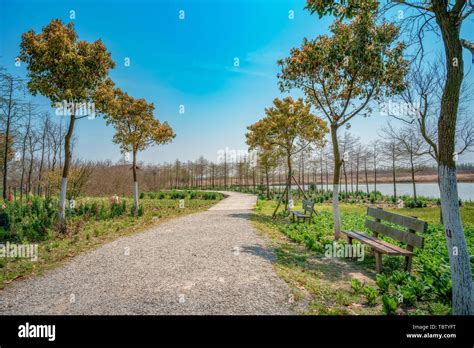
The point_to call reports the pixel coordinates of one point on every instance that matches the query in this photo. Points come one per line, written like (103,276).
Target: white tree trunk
(135,190)
(62,199)
(336,213)
(456,242)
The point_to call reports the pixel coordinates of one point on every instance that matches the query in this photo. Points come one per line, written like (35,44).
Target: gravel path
(207,263)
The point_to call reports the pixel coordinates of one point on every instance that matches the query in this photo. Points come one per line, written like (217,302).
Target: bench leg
(408,261)
(378,262)
(349,241)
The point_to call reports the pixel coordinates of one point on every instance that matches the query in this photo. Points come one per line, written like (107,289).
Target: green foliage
(430,280)
(389,305)
(408,295)
(383,283)
(31,221)
(182,194)
(437,308)
(399,277)
(356,285)
(370,295)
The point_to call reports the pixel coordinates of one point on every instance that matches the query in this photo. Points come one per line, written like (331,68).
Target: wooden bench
(307,213)
(407,236)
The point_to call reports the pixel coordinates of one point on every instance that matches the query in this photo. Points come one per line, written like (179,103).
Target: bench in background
(307,213)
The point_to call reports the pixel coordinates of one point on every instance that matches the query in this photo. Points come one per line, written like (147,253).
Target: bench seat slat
(402,236)
(398,249)
(373,243)
(405,221)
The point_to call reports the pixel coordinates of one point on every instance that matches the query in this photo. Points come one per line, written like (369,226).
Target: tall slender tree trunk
(394,176)
(268,183)
(30,169)
(335,181)
(67,163)
(375,172)
(288,182)
(321,173)
(366,176)
(23,154)
(345,180)
(357,172)
(463,301)
(412,169)
(40,169)
(135,182)
(327,176)
(352,178)
(7,137)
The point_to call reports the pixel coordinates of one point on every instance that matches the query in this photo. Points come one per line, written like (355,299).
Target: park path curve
(212,262)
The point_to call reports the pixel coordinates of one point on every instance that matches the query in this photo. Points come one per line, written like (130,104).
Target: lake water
(465,189)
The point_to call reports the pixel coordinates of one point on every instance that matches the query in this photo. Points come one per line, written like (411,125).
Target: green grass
(426,291)
(319,286)
(87,234)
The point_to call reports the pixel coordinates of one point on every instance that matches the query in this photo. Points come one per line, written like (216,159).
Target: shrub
(383,283)
(370,295)
(437,308)
(356,285)
(389,305)
(408,295)
(4,220)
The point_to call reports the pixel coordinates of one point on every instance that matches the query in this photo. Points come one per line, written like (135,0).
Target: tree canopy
(135,125)
(289,125)
(60,66)
(341,73)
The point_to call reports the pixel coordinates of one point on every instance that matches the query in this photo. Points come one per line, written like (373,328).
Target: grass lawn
(329,285)
(88,234)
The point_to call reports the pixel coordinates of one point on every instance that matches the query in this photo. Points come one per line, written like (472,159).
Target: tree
(411,147)
(136,128)
(11,113)
(391,151)
(65,70)
(289,127)
(340,74)
(449,17)
(347,144)
(268,160)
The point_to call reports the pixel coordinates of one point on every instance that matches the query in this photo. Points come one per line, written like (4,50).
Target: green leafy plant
(437,308)
(383,283)
(408,295)
(370,295)
(356,285)
(389,305)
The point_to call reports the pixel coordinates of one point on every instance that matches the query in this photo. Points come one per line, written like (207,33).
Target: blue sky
(186,62)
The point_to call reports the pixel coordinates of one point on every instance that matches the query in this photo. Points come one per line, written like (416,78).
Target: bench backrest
(411,224)
(308,206)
